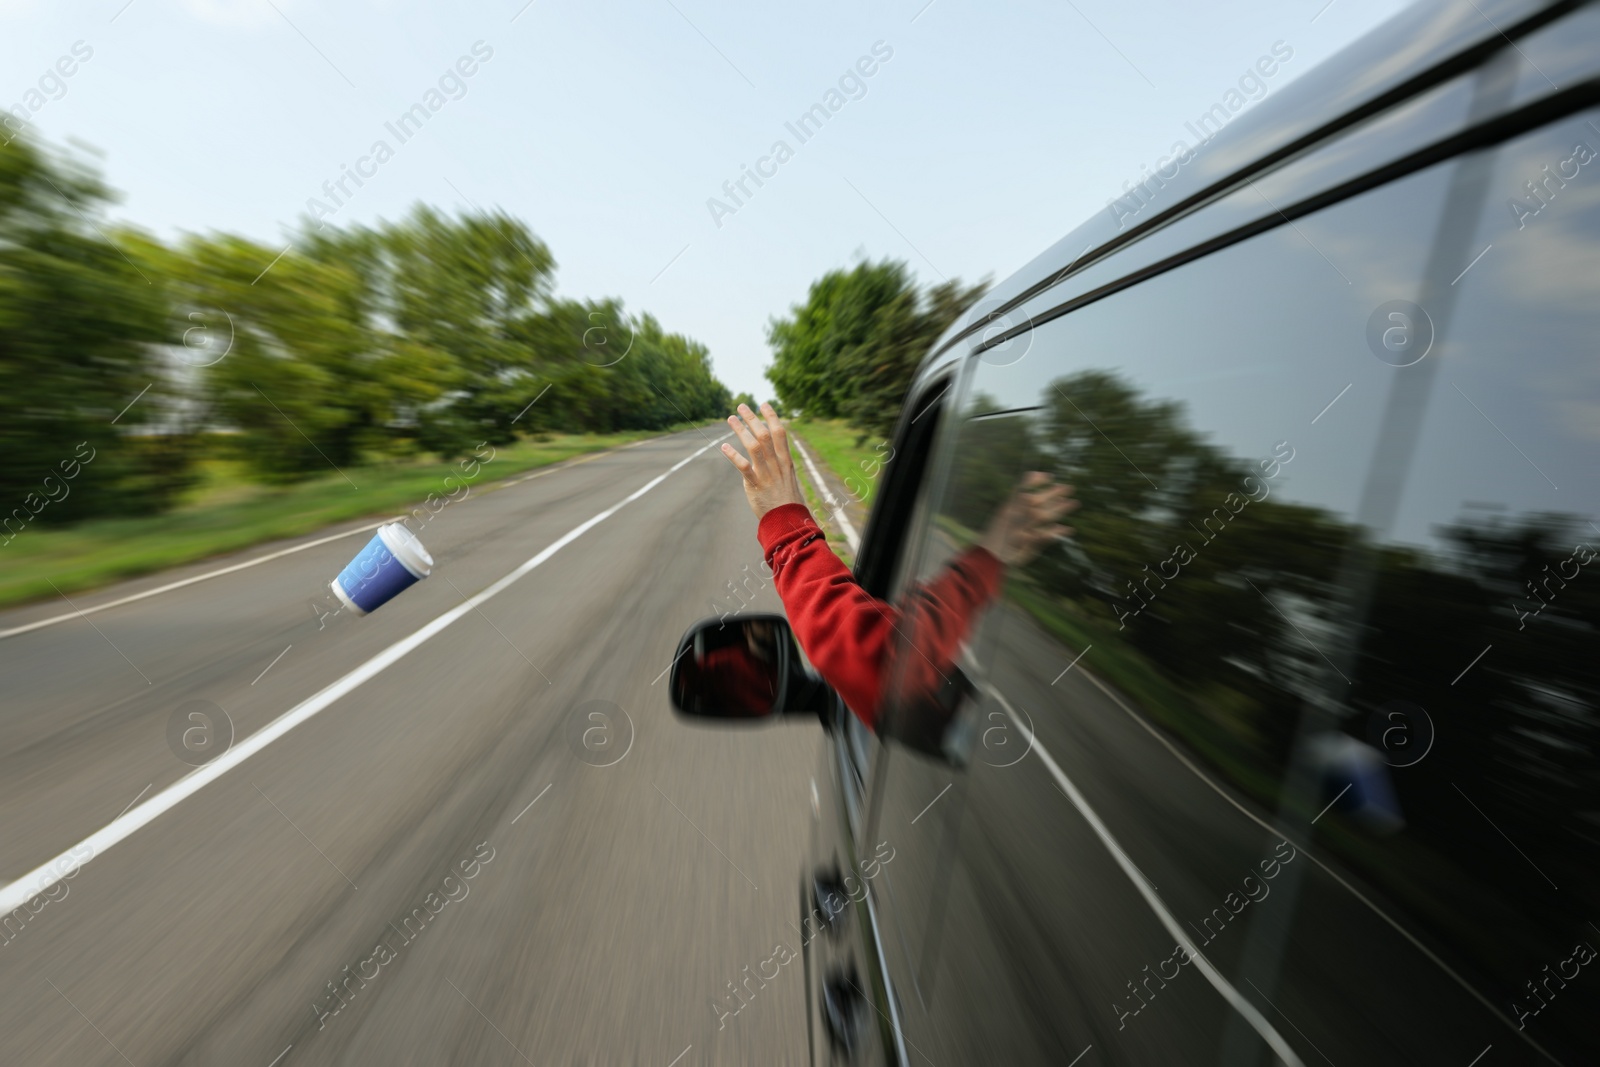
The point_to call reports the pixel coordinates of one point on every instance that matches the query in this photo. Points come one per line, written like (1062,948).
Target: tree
(462,288)
(434,332)
(79,326)
(851,349)
(606,370)
(310,383)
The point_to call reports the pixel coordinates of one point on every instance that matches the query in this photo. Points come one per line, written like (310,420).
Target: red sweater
(848,633)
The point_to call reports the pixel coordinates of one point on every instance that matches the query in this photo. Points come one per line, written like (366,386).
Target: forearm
(844,630)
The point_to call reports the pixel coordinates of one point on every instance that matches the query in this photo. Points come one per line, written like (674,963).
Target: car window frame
(889,538)
(889,529)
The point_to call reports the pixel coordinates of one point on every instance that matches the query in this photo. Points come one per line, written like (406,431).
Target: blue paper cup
(394,560)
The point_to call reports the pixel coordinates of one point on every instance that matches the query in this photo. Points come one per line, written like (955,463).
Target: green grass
(855,459)
(857,466)
(819,509)
(226,513)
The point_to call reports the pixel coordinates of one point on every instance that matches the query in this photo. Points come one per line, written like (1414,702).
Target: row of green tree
(850,351)
(352,345)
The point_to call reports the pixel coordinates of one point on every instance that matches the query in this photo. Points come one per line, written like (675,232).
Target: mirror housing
(747,669)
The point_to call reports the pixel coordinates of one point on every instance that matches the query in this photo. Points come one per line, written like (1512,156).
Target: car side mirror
(744,670)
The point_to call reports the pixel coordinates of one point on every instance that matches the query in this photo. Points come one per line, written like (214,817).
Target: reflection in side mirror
(747,668)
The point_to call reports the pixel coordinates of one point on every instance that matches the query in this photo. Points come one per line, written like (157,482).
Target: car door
(853,1009)
(1308,705)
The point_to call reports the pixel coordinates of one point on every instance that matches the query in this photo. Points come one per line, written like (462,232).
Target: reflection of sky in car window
(1258,339)
(1522,348)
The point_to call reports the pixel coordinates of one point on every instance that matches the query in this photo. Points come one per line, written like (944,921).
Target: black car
(1289,754)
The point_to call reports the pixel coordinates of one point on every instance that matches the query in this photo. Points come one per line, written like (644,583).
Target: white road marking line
(680,1056)
(531,803)
(835,508)
(1466,986)
(1082,1054)
(551,469)
(564,465)
(190,581)
(18,892)
(1480,1056)
(1257,1021)
(281,1055)
(134,801)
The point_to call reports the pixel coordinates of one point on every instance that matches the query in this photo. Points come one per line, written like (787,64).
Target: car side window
(889,542)
(1313,683)
(934,707)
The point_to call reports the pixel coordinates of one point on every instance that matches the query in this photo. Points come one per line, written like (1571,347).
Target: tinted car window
(1315,681)
(943,595)
(892,544)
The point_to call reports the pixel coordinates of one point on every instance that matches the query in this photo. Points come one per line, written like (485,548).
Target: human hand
(1027,520)
(769,475)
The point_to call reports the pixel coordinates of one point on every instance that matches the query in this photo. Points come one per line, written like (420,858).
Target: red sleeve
(846,632)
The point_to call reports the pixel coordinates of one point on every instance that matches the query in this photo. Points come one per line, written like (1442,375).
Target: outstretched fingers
(740,464)
(746,438)
(1055,502)
(780,437)
(758,429)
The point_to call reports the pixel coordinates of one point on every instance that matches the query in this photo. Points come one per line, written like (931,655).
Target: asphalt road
(616,886)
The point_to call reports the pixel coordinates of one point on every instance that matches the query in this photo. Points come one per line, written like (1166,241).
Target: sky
(981,135)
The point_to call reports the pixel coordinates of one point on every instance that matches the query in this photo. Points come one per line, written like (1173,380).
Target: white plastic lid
(407,549)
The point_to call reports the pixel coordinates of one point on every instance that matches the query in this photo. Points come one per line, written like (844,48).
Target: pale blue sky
(989,133)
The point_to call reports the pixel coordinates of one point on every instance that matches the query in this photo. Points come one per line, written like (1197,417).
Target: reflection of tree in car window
(1278,607)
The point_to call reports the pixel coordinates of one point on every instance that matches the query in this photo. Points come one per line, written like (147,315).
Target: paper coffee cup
(394,560)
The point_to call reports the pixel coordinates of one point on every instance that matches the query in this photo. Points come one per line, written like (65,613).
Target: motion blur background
(556,205)
(216,344)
